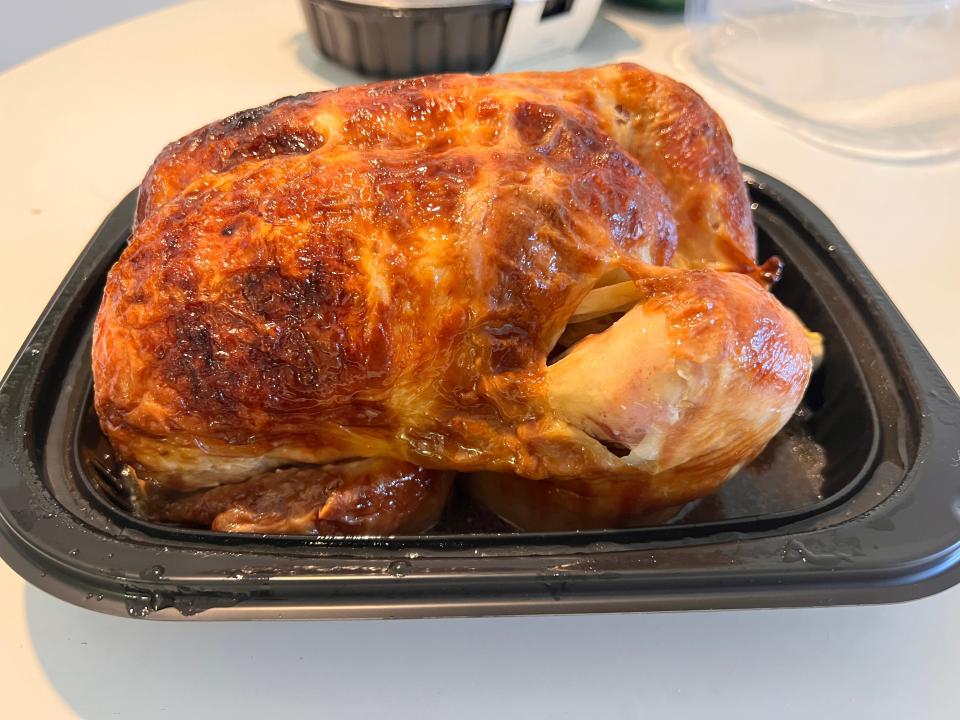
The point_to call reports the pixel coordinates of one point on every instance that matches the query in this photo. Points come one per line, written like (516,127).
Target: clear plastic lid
(879,78)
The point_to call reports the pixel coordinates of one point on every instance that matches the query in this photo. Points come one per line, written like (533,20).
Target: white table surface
(30,28)
(79,126)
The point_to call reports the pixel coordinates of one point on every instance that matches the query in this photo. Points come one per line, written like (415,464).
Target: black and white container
(402,38)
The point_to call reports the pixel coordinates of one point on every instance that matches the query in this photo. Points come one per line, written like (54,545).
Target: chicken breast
(390,272)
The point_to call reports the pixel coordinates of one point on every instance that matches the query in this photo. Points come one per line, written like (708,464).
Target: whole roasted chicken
(544,281)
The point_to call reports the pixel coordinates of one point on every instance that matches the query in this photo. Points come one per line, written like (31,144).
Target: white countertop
(80,125)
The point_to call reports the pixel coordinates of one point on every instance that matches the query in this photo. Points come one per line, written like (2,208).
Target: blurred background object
(667,5)
(34,27)
(400,38)
(876,78)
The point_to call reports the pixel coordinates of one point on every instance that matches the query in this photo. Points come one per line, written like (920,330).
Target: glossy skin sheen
(382,271)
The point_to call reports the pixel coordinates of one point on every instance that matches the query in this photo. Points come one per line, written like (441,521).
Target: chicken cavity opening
(611,297)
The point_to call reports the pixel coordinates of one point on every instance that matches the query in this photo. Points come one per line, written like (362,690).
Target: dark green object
(667,5)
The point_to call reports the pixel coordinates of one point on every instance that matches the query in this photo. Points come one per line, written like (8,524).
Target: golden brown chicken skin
(382,272)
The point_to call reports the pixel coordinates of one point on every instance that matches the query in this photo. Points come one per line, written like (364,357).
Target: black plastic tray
(881,524)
